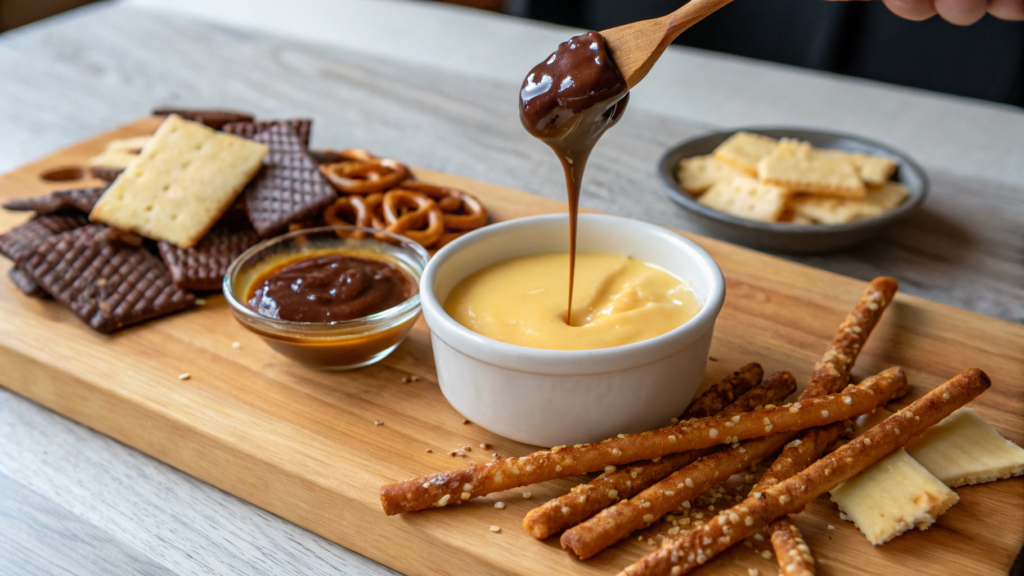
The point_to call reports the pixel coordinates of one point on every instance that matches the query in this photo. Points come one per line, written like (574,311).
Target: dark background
(861,39)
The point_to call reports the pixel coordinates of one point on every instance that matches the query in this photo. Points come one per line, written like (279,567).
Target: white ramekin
(554,397)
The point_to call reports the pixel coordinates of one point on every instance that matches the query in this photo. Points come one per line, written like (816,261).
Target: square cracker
(745,197)
(743,150)
(873,170)
(699,173)
(832,210)
(795,165)
(181,183)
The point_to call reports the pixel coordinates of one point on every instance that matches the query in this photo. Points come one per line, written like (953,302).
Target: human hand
(959,12)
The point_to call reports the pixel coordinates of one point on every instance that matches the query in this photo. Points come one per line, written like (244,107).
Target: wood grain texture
(963,248)
(302,444)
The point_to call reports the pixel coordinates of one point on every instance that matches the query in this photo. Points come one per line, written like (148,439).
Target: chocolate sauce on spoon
(568,101)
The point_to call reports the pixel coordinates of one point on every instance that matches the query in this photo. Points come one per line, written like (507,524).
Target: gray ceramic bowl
(793,238)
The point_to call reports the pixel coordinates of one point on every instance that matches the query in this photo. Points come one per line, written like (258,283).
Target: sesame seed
(688,482)
(527,495)
(729,424)
(783,499)
(677,570)
(378,422)
(609,469)
(495,529)
(674,421)
(867,441)
(200,302)
(767,422)
(824,413)
(766,554)
(831,527)
(758,537)
(768,428)
(796,405)
(753,572)
(847,400)
(749,520)
(530,467)
(945,395)
(622,435)
(917,418)
(444,500)
(466,495)
(897,431)
(672,438)
(793,409)
(613,494)
(736,418)
(648,518)
(236,345)
(713,432)
(656,459)
(565,510)
(499,505)
(686,504)
(616,452)
(426,485)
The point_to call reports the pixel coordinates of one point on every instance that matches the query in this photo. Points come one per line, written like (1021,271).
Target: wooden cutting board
(303,444)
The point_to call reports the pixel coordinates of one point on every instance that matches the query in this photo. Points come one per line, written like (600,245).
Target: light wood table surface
(75,502)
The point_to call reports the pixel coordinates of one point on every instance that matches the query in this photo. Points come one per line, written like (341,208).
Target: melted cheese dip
(617,300)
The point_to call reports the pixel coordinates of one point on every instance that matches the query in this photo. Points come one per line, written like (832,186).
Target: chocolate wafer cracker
(107,283)
(302,127)
(290,188)
(202,267)
(27,286)
(75,200)
(215,119)
(17,243)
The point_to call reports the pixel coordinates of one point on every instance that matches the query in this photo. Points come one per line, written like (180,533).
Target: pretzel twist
(481,479)
(586,500)
(365,176)
(462,211)
(349,210)
(791,495)
(406,211)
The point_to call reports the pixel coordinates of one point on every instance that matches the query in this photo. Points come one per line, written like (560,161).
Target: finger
(961,12)
(912,9)
(1007,9)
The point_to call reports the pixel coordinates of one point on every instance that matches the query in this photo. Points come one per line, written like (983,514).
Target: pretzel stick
(619,521)
(791,495)
(831,374)
(482,479)
(585,500)
(725,392)
(794,555)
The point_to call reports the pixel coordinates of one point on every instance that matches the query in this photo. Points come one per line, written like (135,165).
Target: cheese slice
(964,449)
(894,495)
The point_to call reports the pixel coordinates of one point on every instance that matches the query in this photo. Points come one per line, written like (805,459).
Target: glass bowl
(339,345)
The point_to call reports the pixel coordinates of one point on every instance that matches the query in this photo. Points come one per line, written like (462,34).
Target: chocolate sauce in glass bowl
(568,101)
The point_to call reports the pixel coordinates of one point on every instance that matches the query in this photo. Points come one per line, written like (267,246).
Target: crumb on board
(378,422)
(499,505)
(495,529)
(527,495)
(236,345)
(184,376)
(429,451)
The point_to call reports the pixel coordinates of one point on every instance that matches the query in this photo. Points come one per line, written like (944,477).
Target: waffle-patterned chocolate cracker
(18,242)
(202,267)
(289,188)
(107,283)
(76,200)
(249,130)
(27,286)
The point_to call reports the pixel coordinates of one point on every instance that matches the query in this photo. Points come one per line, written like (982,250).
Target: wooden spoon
(636,47)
